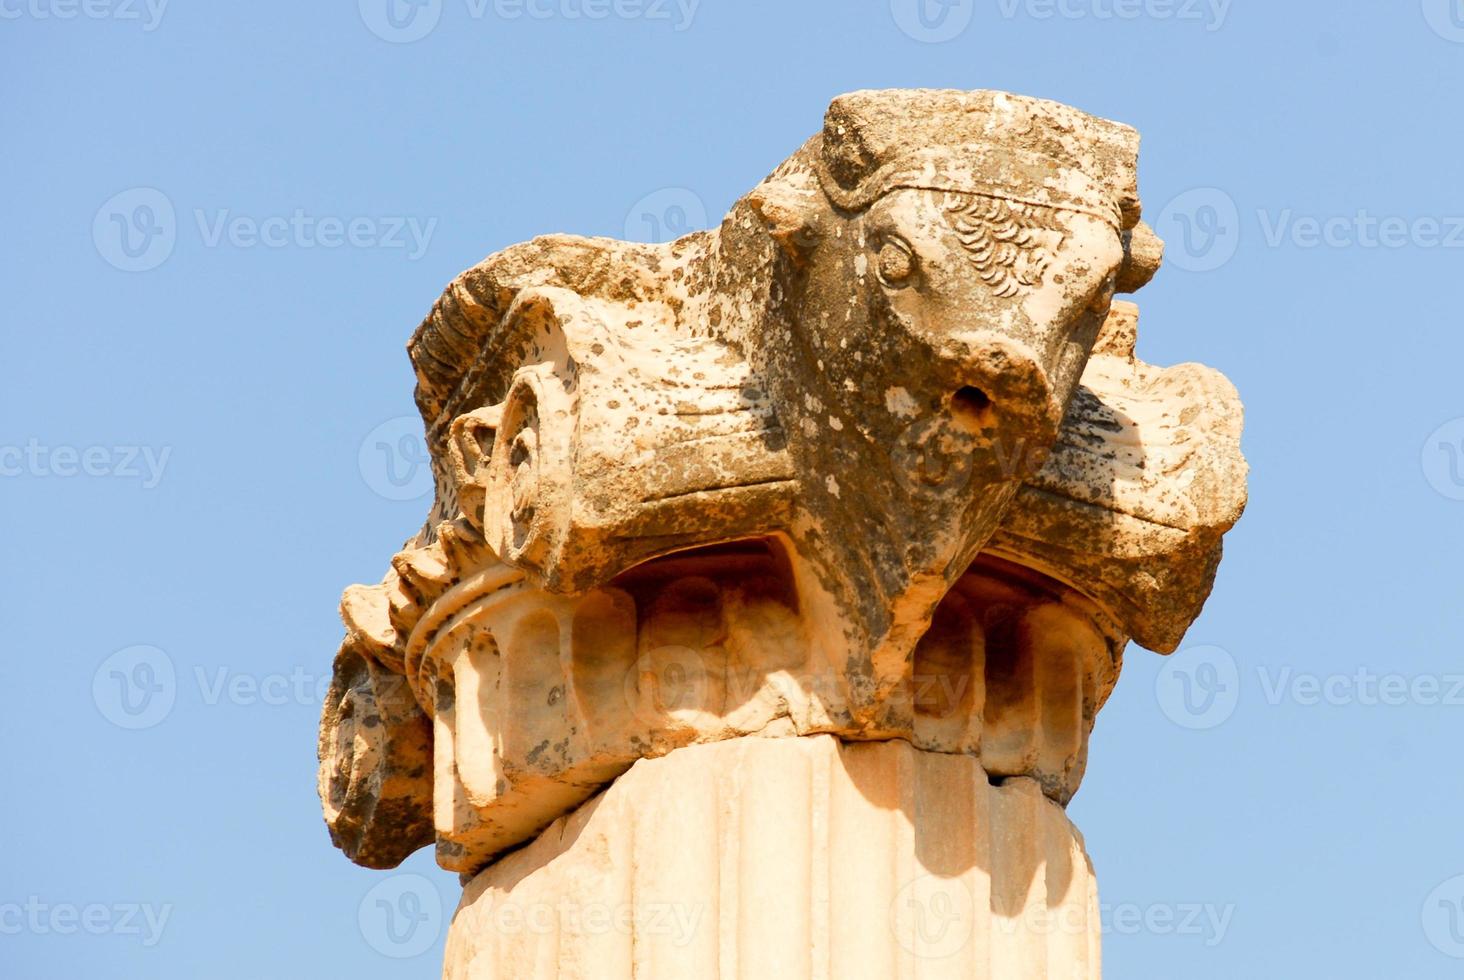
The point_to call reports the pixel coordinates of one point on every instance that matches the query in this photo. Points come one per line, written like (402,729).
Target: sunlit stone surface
(776,576)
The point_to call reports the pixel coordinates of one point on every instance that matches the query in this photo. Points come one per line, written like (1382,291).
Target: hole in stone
(971,406)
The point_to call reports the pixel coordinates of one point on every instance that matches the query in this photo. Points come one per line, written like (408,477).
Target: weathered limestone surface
(796,859)
(870,471)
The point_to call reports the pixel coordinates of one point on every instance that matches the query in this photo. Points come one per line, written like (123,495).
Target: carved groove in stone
(542,700)
(794,859)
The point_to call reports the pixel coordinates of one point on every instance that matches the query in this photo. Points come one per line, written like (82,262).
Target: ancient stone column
(776,576)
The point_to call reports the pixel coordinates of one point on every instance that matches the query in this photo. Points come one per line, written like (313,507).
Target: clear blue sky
(185,406)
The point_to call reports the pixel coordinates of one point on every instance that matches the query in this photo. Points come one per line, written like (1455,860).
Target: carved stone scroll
(814,540)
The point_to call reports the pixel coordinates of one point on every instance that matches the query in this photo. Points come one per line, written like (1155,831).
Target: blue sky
(222,222)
